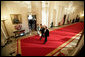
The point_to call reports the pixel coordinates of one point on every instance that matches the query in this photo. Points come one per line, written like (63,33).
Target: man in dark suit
(73,20)
(46,34)
(42,32)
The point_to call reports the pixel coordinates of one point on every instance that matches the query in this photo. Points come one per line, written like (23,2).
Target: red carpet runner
(32,46)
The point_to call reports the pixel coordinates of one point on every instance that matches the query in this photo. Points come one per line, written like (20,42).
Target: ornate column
(54,17)
(45,13)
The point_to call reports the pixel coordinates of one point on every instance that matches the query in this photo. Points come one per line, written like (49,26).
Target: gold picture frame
(16,18)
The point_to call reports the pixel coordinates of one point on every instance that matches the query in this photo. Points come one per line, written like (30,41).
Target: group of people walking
(42,32)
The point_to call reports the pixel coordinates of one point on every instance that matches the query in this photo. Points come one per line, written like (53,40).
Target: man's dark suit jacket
(42,30)
(47,32)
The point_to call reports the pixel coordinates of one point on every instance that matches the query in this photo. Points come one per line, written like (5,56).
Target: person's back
(43,30)
(47,32)
(73,20)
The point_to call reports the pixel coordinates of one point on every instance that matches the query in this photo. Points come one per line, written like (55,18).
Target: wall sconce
(82,14)
(4,18)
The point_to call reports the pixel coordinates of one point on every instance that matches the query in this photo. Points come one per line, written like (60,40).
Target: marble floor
(11,48)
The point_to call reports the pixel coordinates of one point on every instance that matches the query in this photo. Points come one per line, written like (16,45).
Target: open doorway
(32,22)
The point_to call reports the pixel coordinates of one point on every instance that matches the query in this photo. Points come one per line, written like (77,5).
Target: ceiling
(77,4)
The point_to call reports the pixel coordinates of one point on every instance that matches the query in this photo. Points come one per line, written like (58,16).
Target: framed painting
(16,18)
